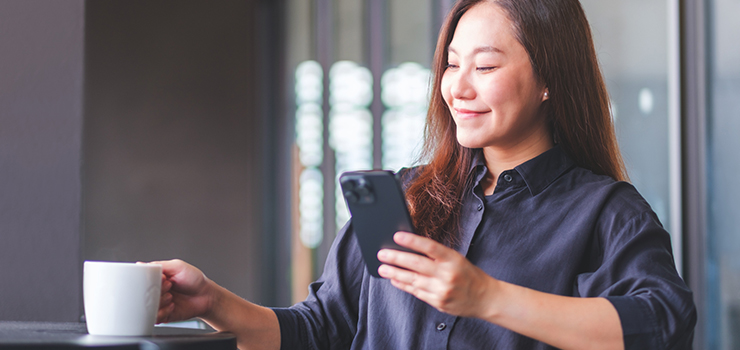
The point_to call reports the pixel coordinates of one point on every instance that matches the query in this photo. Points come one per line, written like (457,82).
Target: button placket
(440,331)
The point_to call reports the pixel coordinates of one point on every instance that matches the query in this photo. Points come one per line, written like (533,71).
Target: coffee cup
(121,299)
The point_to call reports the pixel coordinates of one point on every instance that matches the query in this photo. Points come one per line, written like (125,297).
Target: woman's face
(489,84)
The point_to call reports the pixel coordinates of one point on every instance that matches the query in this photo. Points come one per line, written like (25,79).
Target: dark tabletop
(71,335)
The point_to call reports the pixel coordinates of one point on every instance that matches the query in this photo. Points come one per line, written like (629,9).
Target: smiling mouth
(466,113)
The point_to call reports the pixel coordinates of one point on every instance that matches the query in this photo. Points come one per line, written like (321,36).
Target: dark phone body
(378,207)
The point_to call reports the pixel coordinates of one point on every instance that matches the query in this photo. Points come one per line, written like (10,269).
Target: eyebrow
(479,49)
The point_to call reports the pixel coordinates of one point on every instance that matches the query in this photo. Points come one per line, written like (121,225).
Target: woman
(530,240)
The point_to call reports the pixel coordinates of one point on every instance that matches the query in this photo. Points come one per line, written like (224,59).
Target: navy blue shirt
(549,226)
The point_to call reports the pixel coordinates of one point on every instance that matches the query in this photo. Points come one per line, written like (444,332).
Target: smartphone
(378,207)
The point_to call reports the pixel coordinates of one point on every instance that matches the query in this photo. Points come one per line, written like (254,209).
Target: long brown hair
(557,38)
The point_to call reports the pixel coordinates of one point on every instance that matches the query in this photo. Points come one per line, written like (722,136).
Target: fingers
(410,282)
(407,277)
(164,313)
(171,267)
(419,293)
(166,284)
(407,281)
(427,264)
(181,277)
(184,292)
(443,278)
(166,304)
(408,261)
(165,300)
(424,245)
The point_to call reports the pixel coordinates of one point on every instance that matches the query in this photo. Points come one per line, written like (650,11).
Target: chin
(469,142)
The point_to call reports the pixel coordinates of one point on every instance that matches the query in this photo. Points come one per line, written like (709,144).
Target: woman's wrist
(213,296)
(493,300)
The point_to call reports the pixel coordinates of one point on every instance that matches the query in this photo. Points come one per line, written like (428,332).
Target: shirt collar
(538,172)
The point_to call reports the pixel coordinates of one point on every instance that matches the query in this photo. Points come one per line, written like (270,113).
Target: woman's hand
(443,278)
(447,281)
(186,292)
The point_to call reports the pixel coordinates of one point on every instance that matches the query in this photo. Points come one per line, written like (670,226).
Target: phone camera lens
(363,188)
(348,184)
(351,196)
(363,191)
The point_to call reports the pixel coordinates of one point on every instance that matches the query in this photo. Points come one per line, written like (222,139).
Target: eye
(451,66)
(485,69)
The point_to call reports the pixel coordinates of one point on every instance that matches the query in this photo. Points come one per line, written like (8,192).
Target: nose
(461,87)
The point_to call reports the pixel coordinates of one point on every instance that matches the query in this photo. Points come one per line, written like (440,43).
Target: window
(361,92)
(360,74)
(635,49)
(723,205)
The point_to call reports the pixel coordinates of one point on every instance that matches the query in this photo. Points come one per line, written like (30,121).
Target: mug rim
(122,263)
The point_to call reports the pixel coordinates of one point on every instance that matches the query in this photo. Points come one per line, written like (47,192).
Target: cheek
(497,93)
(444,88)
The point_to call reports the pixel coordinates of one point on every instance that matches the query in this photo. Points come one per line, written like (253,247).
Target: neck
(499,159)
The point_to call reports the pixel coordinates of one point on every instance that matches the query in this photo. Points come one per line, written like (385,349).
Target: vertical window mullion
(694,155)
(674,132)
(324,21)
(376,45)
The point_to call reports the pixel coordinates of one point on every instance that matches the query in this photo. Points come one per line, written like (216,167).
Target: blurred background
(214,132)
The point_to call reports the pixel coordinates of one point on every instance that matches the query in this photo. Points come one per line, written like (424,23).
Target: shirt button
(480,207)
(441,326)
(507,178)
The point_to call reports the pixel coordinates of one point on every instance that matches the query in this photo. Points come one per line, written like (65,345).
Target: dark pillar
(41,75)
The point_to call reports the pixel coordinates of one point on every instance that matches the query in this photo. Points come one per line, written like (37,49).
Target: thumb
(171,268)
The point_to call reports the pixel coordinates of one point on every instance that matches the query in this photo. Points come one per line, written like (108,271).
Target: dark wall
(174,137)
(139,130)
(41,77)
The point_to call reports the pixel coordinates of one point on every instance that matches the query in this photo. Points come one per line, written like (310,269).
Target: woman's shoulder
(625,213)
(616,197)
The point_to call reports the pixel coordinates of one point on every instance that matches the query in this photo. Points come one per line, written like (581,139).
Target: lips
(463,113)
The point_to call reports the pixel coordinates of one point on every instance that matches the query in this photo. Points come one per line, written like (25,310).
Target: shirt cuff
(639,325)
(293,334)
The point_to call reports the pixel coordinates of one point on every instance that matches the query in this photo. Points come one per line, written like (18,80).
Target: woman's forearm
(447,281)
(563,322)
(255,327)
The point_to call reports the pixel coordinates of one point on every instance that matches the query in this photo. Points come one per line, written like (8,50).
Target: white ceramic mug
(121,299)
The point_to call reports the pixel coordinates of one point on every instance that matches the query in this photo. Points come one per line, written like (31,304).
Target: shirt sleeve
(327,319)
(638,276)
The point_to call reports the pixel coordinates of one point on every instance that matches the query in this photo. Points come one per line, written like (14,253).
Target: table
(72,335)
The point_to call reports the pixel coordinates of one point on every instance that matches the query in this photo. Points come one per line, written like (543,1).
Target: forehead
(484,25)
